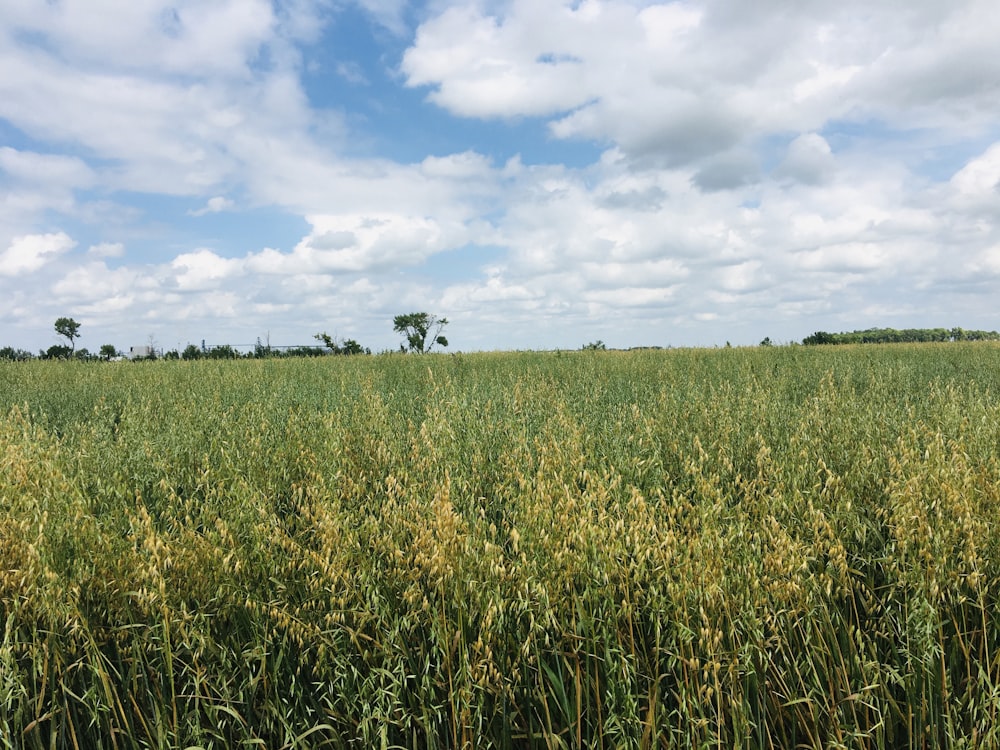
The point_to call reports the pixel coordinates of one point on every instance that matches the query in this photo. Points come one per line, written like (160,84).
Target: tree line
(894,336)
(421,332)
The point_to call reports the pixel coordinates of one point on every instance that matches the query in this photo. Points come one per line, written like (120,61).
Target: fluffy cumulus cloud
(543,172)
(30,253)
(345,244)
(691,80)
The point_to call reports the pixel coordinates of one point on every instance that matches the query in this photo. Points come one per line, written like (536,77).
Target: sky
(542,173)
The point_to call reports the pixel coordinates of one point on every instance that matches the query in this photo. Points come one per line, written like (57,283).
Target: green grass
(761,548)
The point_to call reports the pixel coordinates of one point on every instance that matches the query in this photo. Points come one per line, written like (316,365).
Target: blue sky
(544,173)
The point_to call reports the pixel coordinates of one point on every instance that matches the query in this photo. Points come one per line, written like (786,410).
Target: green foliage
(345,347)
(108,351)
(68,329)
(57,351)
(191,352)
(300,351)
(594,346)
(224,351)
(748,547)
(421,331)
(15,355)
(893,336)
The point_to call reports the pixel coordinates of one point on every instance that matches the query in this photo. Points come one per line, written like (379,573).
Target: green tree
(594,346)
(57,351)
(350,346)
(328,341)
(224,351)
(15,355)
(347,346)
(108,351)
(421,331)
(818,338)
(68,329)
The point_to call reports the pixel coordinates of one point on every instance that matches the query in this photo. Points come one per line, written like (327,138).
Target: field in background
(768,548)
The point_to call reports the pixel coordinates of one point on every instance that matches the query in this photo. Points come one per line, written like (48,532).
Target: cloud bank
(718,171)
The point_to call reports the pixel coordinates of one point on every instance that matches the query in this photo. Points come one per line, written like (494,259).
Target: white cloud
(981,176)
(388,13)
(213,206)
(31,252)
(190,37)
(352,72)
(45,169)
(809,160)
(202,270)
(465,165)
(686,81)
(107,250)
(341,243)
(763,165)
(494,289)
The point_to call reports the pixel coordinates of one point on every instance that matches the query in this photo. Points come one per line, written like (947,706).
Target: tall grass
(767,548)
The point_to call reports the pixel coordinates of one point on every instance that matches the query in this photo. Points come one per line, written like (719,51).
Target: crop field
(736,548)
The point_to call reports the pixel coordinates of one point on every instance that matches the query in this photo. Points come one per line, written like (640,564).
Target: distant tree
(68,329)
(894,336)
(347,346)
(350,346)
(222,352)
(57,351)
(261,349)
(820,337)
(766,341)
(172,354)
(15,355)
(108,351)
(304,351)
(328,341)
(594,346)
(191,352)
(421,331)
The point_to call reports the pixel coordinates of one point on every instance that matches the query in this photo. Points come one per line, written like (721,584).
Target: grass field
(763,548)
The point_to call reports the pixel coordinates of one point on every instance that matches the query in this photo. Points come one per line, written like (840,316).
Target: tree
(108,351)
(766,341)
(15,355)
(417,328)
(68,329)
(350,346)
(225,351)
(347,346)
(594,346)
(819,338)
(57,351)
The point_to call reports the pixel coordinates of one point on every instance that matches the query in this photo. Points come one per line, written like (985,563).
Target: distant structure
(139,352)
